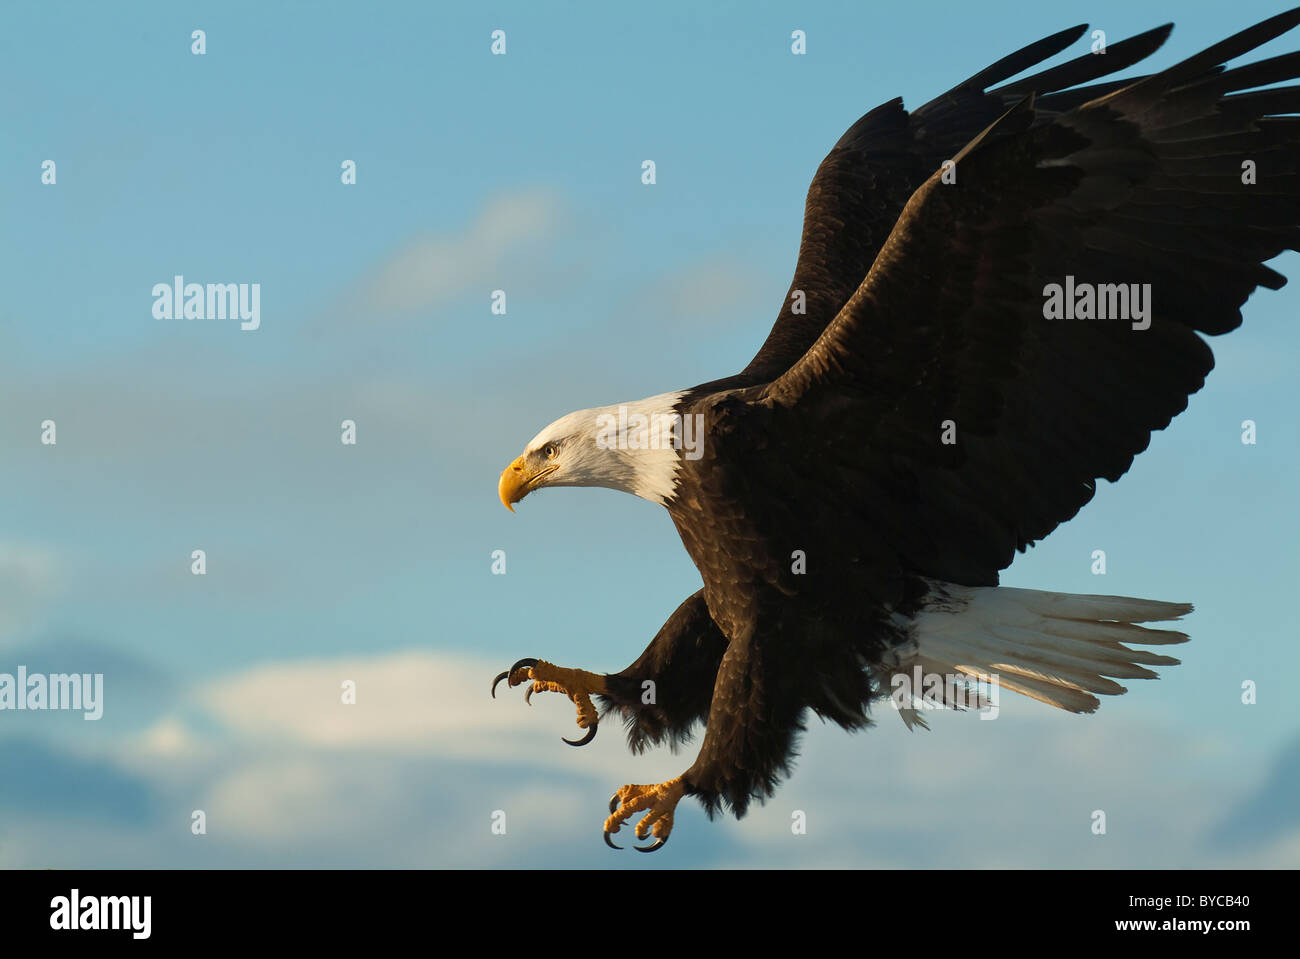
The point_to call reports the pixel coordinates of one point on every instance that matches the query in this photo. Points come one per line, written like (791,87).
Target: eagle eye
(549,450)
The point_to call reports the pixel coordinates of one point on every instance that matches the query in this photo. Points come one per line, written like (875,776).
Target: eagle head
(632,447)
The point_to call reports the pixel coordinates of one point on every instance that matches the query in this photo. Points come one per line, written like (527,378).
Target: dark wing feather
(1143,185)
(862,184)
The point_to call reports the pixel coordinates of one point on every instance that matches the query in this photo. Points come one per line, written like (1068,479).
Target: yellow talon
(661,802)
(577,684)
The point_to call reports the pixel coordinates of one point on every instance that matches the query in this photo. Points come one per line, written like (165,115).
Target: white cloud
(412,702)
(711,288)
(285,799)
(378,811)
(167,739)
(432,269)
(26,583)
(1013,793)
(412,774)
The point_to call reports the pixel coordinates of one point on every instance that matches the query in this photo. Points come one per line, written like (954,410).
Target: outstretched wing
(947,333)
(860,188)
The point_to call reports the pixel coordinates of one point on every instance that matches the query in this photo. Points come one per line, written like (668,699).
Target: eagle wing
(947,333)
(861,186)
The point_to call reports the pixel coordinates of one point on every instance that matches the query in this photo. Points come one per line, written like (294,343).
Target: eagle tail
(1063,649)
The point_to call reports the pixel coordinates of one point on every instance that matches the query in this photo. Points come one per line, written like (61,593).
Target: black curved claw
(591,734)
(610,843)
(613,804)
(519,665)
(658,844)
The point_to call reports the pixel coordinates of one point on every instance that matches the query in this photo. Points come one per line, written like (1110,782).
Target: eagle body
(920,412)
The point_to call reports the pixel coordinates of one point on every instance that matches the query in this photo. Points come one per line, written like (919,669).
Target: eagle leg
(661,802)
(577,684)
(668,690)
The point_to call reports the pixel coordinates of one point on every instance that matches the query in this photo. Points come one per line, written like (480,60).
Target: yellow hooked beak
(516,482)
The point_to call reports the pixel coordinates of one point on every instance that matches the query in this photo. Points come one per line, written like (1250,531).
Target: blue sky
(372,562)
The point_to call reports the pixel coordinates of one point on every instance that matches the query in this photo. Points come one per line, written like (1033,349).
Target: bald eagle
(998,297)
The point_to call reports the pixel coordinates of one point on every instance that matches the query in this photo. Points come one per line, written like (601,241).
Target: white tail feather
(1063,649)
